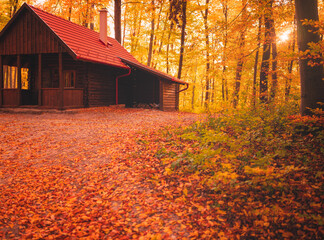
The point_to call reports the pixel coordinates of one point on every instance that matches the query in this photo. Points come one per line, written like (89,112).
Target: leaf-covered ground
(71,175)
(112,173)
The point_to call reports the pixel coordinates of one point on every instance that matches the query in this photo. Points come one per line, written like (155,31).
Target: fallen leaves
(116,174)
(70,176)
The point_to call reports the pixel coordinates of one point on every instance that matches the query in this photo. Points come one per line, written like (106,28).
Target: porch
(38,80)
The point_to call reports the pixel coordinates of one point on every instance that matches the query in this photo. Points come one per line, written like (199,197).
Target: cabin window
(10,77)
(69,79)
(25,85)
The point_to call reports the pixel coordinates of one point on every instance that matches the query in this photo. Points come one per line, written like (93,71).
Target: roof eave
(100,62)
(154,71)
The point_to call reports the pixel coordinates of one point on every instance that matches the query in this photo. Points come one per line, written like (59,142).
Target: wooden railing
(71,97)
(10,97)
(50,97)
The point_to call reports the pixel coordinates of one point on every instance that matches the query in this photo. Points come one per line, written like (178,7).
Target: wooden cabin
(47,61)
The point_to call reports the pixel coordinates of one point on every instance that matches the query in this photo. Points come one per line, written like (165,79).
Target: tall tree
(183,35)
(224,54)
(205,17)
(150,52)
(274,54)
(290,64)
(265,64)
(117,20)
(311,75)
(256,60)
(168,46)
(239,66)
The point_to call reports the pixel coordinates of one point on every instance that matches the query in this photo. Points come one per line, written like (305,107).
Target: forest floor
(70,175)
(115,173)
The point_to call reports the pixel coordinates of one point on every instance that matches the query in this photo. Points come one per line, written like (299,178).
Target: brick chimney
(103,25)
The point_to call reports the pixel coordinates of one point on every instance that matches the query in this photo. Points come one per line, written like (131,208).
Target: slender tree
(274,54)
(150,52)
(224,54)
(239,66)
(183,34)
(290,64)
(168,46)
(256,60)
(117,20)
(265,64)
(205,17)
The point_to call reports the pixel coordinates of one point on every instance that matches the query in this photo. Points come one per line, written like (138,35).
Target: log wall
(168,95)
(101,85)
(28,36)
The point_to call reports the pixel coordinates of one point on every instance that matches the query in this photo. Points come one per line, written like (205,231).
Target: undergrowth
(263,168)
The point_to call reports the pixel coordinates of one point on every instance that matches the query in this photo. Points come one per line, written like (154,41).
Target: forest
(234,54)
(242,159)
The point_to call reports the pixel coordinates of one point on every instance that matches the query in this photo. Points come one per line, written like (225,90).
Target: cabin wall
(101,85)
(28,36)
(79,67)
(169,96)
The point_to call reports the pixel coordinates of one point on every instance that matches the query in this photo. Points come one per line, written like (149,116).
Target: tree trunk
(274,76)
(168,47)
(117,20)
(158,28)
(14,7)
(149,57)
(70,10)
(85,16)
(239,66)
(194,86)
(162,37)
(290,66)
(124,25)
(264,74)
(224,57)
(205,16)
(255,69)
(183,34)
(312,85)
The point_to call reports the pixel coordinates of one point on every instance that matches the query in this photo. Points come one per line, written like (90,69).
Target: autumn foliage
(142,174)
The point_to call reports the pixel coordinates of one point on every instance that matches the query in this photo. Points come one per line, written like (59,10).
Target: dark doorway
(29,93)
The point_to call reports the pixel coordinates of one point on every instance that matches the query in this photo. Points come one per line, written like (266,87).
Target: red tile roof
(85,45)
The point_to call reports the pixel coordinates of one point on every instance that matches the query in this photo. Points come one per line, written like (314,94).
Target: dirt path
(68,176)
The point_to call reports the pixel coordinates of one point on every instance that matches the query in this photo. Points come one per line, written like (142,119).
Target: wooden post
(39,80)
(161,94)
(177,96)
(1,80)
(19,78)
(61,82)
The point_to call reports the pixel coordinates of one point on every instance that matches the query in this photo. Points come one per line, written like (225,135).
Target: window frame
(69,72)
(10,77)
